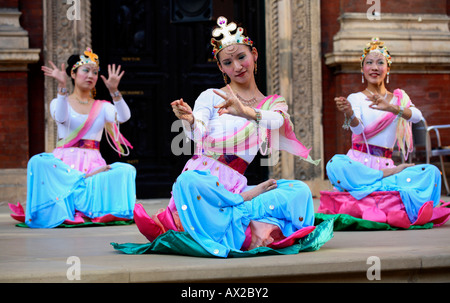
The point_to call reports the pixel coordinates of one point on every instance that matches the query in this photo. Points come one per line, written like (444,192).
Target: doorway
(164,48)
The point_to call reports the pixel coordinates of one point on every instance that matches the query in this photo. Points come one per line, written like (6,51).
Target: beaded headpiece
(376,46)
(225,30)
(88,58)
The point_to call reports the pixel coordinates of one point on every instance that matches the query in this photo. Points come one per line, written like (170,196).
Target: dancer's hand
(344,106)
(114,77)
(55,73)
(379,103)
(182,111)
(232,105)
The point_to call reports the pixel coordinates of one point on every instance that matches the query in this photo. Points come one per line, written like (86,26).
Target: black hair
(70,63)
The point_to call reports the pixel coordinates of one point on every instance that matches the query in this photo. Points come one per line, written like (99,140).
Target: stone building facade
(312,55)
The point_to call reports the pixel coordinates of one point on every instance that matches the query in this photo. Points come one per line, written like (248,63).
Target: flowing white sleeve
(353,99)
(121,109)
(416,114)
(271,119)
(59,108)
(203,111)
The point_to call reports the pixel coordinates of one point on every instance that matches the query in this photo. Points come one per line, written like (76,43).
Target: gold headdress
(225,30)
(88,58)
(376,46)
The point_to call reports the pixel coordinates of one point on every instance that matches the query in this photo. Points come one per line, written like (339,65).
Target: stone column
(67,31)
(294,71)
(15,55)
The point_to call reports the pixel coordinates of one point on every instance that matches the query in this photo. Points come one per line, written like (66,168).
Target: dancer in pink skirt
(56,192)
(378,119)
(229,126)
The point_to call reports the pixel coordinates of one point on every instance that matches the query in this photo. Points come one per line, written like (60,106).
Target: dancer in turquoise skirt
(56,192)
(74,184)
(378,119)
(211,199)
(417,184)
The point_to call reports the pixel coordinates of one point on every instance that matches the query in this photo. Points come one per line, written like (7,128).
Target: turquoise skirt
(55,192)
(217,218)
(416,184)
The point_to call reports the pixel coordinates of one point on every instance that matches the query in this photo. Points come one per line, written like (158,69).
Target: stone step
(13,185)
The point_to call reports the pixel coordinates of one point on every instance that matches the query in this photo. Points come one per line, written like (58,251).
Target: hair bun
(71,62)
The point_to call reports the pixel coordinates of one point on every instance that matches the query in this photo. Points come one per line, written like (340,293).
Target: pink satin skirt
(83,159)
(371,161)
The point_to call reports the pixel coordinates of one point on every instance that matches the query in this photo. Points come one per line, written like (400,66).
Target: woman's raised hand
(182,110)
(231,105)
(114,77)
(55,73)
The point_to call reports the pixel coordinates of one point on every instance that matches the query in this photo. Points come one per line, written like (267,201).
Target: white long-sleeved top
(68,119)
(387,137)
(209,123)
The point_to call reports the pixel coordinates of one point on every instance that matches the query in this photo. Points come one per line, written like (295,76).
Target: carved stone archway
(294,71)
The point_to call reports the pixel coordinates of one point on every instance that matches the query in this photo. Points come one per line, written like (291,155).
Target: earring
(256,67)
(362,77)
(93,93)
(387,79)
(225,78)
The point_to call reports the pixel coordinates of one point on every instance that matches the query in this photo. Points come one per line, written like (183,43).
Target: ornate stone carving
(63,38)
(293,60)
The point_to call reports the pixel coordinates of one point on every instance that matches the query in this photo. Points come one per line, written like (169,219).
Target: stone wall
(417,35)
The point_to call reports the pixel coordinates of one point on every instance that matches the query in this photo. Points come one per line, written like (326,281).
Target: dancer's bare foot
(263,234)
(100,170)
(259,189)
(395,170)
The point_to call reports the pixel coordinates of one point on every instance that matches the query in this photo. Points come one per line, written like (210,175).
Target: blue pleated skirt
(217,218)
(416,184)
(55,192)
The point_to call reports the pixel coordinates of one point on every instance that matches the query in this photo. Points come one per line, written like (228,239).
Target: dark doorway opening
(164,48)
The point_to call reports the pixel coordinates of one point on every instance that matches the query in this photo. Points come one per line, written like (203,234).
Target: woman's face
(86,76)
(238,62)
(375,68)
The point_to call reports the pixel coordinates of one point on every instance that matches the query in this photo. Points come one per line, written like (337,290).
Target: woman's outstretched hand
(55,73)
(114,77)
(182,111)
(344,106)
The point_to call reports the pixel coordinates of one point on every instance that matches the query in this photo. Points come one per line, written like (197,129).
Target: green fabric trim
(181,243)
(344,222)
